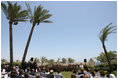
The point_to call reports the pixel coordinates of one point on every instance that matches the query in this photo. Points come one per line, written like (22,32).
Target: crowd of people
(32,70)
(91,74)
(29,69)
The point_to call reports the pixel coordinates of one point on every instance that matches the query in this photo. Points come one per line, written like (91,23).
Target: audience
(32,70)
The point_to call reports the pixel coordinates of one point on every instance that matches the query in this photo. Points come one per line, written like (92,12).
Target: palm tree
(36,60)
(103,37)
(64,60)
(70,60)
(43,60)
(14,14)
(3,60)
(38,16)
(17,61)
(51,62)
(58,61)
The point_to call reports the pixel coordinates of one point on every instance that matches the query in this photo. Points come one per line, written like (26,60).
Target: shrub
(106,67)
(14,64)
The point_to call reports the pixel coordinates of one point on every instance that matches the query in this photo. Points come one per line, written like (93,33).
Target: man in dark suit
(51,74)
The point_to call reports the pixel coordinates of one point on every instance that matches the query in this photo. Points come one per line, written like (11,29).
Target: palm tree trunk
(11,45)
(27,45)
(107,57)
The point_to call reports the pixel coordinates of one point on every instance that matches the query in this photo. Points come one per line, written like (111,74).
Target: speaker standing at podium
(85,60)
(85,66)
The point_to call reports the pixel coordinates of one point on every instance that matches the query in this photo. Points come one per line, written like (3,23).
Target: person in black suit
(50,75)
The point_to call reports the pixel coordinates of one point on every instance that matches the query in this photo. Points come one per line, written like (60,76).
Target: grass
(65,74)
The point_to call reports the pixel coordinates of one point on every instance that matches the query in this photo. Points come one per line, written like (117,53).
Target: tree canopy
(107,31)
(64,60)
(70,60)
(14,13)
(112,56)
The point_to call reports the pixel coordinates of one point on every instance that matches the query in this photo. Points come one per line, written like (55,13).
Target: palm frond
(39,14)
(10,10)
(105,28)
(14,13)
(16,10)
(44,12)
(34,10)
(29,11)
(47,21)
(106,31)
(5,9)
(45,17)
(21,20)
(22,14)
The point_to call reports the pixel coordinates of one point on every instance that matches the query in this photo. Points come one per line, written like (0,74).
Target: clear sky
(74,32)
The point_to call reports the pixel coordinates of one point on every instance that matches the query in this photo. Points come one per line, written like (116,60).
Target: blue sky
(74,32)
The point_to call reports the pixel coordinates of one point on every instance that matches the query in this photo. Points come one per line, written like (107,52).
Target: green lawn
(65,74)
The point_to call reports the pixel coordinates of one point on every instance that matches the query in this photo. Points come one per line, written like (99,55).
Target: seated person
(102,74)
(58,75)
(86,76)
(32,72)
(50,75)
(27,75)
(73,75)
(21,73)
(38,75)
